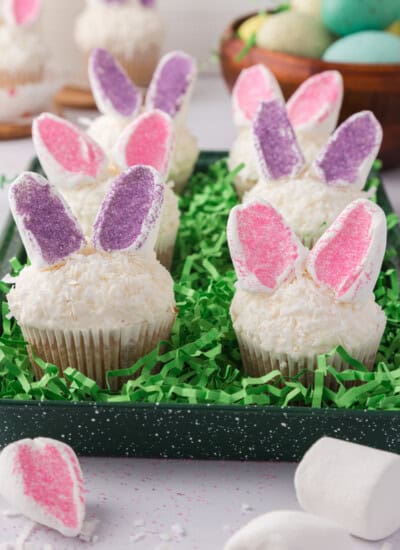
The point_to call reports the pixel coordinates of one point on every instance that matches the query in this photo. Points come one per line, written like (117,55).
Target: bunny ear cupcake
(313,111)
(94,308)
(170,91)
(131,30)
(149,140)
(117,99)
(310,200)
(290,305)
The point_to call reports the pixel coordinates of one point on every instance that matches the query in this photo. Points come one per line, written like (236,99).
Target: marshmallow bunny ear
(348,257)
(172,83)
(21,13)
(68,156)
(264,250)
(254,85)
(314,108)
(148,3)
(130,213)
(278,152)
(148,140)
(47,227)
(111,86)
(349,154)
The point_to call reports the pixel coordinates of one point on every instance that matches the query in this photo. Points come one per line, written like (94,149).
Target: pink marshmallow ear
(349,154)
(21,13)
(111,86)
(129,216)
(148,140)
(41,478)
(68,156)
(314,108)
(47,227)
(172,83)
(264,250)
(348,257)
(278,152)
(254,85)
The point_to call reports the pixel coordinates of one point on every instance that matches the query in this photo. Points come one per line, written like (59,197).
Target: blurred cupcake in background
(131,30)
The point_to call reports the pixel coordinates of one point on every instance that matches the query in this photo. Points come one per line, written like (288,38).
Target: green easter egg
(295,33)
(365,47)
(345,17)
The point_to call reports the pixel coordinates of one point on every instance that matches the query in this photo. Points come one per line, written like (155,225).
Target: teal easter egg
(365,47)
(344,17)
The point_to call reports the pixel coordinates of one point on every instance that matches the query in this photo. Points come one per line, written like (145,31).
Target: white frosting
(22,50)
(184,156)
(303,320)
(307,205)
(93,291)
(124,30)
(106,129)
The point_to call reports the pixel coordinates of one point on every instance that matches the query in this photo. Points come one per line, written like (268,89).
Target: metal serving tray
(192,431)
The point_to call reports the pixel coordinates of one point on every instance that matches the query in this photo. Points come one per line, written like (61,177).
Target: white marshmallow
(290,530)
(355,486)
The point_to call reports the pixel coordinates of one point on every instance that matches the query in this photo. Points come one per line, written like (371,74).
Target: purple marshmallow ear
(148,3)
(278,152)
(47,227)
(68,156)
(314,108)
(264,250)
(111,86)
(172,83)
(21,13)
(348,257)
(130,213)
(347,158)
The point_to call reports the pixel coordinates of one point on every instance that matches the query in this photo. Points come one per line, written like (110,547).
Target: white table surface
(138,501)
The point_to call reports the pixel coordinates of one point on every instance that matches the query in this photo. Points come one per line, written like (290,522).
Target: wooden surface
(13,130)
(74,97)
(370,87)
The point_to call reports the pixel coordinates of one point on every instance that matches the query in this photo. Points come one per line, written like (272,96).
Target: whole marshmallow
(290,530)
(355,486)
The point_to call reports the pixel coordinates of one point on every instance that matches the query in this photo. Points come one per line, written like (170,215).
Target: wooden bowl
(372,87)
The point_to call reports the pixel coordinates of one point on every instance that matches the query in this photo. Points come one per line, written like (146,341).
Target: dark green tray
(192,431)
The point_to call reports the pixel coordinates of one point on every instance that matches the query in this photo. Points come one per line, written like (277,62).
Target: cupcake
(83,173)
(23,61)
(291,304)
(131,30)
(311,197)
(95,306)
(313,111)
(119,103)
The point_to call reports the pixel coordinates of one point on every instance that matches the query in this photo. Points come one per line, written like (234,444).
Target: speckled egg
(295,33)
(312,7)
(394,28)
(344,17)
(251,26)
(365,47)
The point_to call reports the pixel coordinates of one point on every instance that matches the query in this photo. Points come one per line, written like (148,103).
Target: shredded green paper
(201,362)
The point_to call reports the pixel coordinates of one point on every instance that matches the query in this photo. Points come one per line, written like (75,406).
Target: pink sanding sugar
(251,90)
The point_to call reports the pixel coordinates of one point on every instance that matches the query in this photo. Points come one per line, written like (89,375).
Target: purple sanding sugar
(354,141)
(173,81)
(148,3)
(123,221)
(114,83)
(43,214)
(276,141)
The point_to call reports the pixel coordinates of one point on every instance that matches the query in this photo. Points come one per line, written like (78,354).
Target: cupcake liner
(164,247)
(94,352)
(11,80)
(17,102)
(258,362)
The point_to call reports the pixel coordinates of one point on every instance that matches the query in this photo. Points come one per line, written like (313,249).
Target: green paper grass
(201,362)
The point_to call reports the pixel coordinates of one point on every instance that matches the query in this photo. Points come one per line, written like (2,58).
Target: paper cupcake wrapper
(94,352)
(258,362)
(164,247)
(18,104)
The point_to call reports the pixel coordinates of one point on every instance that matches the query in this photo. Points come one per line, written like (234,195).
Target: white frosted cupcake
(311,197)
(84,174)
(313,111)
(132,30)
(23,61)
(119,103)
(95,307)
(292,305)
